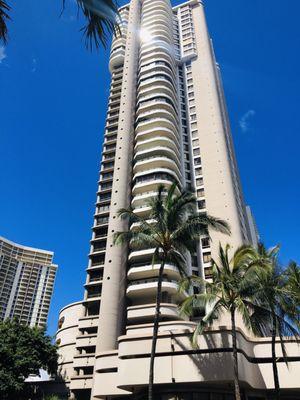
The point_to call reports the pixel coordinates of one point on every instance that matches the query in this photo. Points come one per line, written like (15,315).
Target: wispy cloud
(34,65)
(2,54)
(244,121)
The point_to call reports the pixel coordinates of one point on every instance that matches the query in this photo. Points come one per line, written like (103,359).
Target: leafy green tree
(172,229)
(231,291)
(52,397)
(23,351)
(99,16)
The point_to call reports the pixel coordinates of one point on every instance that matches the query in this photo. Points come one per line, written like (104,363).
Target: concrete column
(114,279)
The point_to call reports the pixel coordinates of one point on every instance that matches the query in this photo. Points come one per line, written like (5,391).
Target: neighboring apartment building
(26,283)
(166,122)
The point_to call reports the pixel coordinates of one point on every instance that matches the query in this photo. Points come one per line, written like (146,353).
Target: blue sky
(53,96)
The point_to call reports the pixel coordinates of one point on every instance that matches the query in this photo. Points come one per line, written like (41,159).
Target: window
(206,257)
(200,192)
(60,322)
(197,161)
(205,243)
(199,181)
(196,152)
(201,204)
(195,142)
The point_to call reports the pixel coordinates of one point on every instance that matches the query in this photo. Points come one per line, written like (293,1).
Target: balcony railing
(153,280)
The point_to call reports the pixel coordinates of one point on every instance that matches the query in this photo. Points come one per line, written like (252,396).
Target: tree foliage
(251,284)
(23,351)
(99,20)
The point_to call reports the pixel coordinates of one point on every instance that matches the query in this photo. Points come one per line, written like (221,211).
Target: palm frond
(4,17)
(100,21)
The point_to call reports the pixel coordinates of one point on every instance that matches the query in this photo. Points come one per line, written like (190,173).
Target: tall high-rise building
(26,283)
(166,122)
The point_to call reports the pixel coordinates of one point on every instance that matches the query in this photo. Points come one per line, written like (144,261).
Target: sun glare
(145,36)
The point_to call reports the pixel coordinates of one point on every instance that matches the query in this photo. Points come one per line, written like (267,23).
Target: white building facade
(166,122)
(27,278)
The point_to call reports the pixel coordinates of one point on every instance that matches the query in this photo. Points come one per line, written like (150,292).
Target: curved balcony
(140,199)
(98,251)
(148,271)
(158,75)
(157,55)
(118,41)
(155,64)
(146,312)
(157,132)
(138,256)
(164,22)
(156,174)
(93,282)
(159,80)
(159,29)
(158,151)
(149,9)
(153,123)
(116,58)
(92,299)
(158,113)
(157,90)
(162,101)
(151,185)
(148,4)
(156,142)
(142,211)
(148,287)
(157,109)
(155,162)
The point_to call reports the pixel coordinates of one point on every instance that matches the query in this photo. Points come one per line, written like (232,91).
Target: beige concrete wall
(218,183)
(211,368)
(66,337)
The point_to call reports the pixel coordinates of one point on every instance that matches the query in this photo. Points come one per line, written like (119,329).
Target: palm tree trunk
(235,356)
(274,362)
(155,331)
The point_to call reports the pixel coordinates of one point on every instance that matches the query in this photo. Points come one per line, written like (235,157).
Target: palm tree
(100,17)
(293,280)
(278,296)
(172,229)
(230,291)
